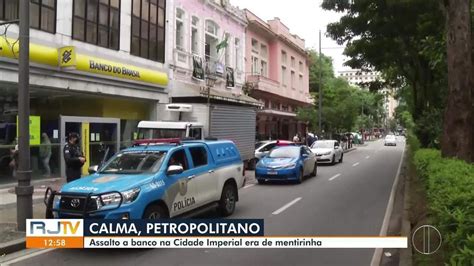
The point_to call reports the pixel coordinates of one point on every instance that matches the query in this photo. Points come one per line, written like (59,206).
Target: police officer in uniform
(73,157)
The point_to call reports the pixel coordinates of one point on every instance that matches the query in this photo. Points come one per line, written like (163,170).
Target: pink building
(277,70)
(195,28)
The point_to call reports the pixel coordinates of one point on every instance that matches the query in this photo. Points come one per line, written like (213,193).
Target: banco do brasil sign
(114,69)
(68,59)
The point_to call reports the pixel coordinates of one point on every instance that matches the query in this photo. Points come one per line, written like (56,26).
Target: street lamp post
(24,190)
(320,91)
(210,81)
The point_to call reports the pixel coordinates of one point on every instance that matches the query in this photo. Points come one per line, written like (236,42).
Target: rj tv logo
(54,227)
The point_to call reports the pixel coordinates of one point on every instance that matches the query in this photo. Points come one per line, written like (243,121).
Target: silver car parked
(328,151)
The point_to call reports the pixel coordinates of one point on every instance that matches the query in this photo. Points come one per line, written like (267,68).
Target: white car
(263,148)
(328,151)
(390,140)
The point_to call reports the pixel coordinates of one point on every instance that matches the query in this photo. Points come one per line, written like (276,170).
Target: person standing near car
(73,157)
(14,155)
(45,153)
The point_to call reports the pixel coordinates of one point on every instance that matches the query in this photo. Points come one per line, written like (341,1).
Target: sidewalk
(10,239)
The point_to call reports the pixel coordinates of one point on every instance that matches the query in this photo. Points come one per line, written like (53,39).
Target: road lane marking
(377,257)
(334,177)
(250,185)
(356,164)
(286,206)
(367,157)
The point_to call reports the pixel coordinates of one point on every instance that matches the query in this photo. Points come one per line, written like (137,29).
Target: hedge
(450,192)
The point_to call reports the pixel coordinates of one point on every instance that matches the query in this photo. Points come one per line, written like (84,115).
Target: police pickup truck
(155,180)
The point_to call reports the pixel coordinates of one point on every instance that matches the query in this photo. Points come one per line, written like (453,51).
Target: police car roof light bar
(163,141)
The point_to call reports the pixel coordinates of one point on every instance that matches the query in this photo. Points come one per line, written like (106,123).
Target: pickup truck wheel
(228,200)
(155,211)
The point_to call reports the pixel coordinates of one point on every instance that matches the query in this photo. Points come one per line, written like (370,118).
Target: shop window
(284,58)
(227,50)
(255,46)
(238,57)
(180,29)
(97,22)
(254,66)
(195,35)
(283,76)
(42,13)
(211,40)
(148,29)
(263,68)
(263,51)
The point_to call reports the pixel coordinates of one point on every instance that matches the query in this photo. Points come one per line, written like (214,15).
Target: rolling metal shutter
(236,123)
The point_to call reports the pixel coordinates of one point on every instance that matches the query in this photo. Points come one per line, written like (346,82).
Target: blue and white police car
(155,180)
(286,163)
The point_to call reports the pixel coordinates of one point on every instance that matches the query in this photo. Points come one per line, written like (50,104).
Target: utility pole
(24,190)
(320,91)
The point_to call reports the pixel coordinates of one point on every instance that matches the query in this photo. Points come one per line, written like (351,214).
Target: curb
(12,246)
(406,254)
(32,182)
(349,150)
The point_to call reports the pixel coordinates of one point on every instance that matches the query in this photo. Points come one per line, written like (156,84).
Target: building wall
(91,82)
(273,40)
(229,19)
(57,92)
(280,96)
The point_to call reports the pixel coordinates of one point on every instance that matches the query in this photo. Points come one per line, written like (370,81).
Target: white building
(357,76)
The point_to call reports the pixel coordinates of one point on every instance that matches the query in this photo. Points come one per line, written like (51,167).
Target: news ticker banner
(199,233)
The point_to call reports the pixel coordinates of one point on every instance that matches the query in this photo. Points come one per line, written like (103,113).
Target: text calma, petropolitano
(177,228)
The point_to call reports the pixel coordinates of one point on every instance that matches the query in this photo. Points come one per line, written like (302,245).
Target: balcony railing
(183,59)
(264,83)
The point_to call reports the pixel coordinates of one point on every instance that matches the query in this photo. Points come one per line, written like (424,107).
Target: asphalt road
(345,199)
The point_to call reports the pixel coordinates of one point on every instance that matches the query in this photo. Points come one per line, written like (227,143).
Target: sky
(304,18)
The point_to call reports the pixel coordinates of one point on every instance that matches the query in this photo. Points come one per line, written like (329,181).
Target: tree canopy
(345,107)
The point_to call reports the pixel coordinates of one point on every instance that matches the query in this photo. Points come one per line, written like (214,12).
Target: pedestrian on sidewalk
(45,153)
(14,154)
(296,138)
(311,139)
(73,157)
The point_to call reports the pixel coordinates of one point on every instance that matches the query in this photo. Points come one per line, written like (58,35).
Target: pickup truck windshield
(134,163)
(160,133)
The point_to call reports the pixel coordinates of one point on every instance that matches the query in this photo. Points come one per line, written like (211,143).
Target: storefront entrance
(100,138)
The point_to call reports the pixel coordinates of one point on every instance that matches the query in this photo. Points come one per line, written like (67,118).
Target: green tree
(406,41)
(342,103)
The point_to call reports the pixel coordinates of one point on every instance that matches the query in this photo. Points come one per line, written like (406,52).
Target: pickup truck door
(206,177)
(181,194)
